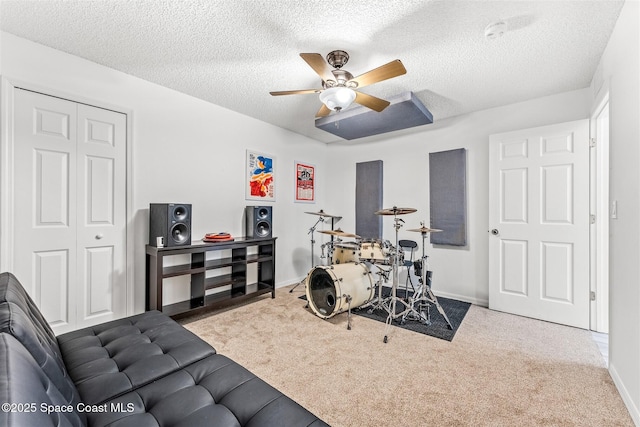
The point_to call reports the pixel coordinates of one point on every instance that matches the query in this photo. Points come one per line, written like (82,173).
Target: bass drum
(329,286)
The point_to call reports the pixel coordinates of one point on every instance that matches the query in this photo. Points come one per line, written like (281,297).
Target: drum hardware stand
(378,302)
(394,287)
(348,299)
(427,297)
(422,305)
(393,299)
(424,294)
(311,230)
(330,250)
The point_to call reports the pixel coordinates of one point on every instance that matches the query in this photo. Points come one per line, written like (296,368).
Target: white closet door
(101,215)
(44,213)
(69,217)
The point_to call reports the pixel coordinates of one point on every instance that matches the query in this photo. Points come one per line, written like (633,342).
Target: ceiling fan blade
(295,92)
(384,72)
(323,112)
(319,65)
(372,102)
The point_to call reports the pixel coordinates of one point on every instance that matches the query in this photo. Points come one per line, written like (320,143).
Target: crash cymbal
(396,211)
(340,233)
(324,214)
(425,230)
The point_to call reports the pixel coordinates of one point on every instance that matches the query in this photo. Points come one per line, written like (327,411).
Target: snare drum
(329,286)
(345,252)
(374,251)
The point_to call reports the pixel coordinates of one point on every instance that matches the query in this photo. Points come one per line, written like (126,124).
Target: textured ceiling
(233,52)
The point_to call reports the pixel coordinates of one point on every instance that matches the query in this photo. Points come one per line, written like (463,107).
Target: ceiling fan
(338,85)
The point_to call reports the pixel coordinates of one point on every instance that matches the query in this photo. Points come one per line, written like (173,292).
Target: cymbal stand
(424,296)
(311,230)
(394,286)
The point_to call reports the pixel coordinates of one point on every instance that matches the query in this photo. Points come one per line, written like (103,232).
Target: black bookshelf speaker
(259,222)
(169,224)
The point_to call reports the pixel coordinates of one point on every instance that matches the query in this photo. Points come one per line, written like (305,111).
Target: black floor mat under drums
(454,309)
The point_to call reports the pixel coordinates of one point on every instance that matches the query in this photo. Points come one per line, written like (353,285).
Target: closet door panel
(44,203)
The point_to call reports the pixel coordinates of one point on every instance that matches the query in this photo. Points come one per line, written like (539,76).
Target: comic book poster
(260,176)
(305,182)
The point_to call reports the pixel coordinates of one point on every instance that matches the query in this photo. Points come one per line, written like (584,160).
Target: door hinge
(593,296)
(592,219)
(592,143)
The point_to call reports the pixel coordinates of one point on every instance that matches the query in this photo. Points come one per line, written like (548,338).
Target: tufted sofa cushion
(23,382)
(112,358)
(214,391)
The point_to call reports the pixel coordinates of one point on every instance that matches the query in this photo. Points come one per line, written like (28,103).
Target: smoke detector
(495,30)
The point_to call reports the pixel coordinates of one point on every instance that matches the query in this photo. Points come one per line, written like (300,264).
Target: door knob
(99,236)
(495,232)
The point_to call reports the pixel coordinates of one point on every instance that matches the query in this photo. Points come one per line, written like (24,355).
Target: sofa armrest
(32,397)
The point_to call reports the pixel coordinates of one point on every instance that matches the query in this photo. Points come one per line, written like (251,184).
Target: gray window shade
(369,199)
(448,196)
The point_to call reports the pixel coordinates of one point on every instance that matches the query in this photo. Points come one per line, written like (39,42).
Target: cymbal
(340,233)
(396,211)
(323,213)
(424,229)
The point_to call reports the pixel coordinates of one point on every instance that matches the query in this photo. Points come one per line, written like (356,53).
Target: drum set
(346,282)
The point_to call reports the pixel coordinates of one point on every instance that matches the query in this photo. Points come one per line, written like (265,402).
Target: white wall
(620,72)
(463,272)
(184,150)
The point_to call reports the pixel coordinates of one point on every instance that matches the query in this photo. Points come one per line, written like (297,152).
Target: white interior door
(69,214)
(539,221)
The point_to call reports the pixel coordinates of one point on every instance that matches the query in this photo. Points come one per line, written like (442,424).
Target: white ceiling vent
(495,30)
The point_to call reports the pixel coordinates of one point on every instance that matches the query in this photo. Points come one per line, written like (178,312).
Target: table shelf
(234,276)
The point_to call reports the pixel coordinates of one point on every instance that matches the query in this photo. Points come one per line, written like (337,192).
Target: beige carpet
(499,370)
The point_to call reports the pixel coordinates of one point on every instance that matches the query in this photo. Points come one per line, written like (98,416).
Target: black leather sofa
(144,370)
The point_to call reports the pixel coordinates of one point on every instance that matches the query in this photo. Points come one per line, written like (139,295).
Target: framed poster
(260,176)
(305,182)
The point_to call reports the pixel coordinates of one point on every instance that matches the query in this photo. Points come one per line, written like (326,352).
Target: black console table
(236,261)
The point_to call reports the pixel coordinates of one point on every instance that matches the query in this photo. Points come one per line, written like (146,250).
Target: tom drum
(329,286)
(345,252)
(375,252)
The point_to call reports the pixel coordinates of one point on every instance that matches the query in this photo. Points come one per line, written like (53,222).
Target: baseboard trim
(474,301)
(624,393)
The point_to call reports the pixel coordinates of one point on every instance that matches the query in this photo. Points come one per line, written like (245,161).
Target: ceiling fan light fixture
(337,98)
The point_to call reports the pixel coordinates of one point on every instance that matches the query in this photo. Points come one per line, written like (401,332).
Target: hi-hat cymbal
(396,211)
(340,233)
(424,229)
(324,214)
